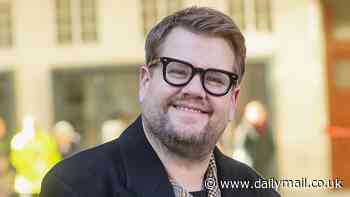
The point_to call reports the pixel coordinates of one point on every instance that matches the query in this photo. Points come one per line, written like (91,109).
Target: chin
(189,129)
(191,133)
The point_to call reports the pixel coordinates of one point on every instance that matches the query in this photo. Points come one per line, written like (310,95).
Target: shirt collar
(210,182)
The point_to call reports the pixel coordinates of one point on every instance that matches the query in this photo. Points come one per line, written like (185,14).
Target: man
(188,93)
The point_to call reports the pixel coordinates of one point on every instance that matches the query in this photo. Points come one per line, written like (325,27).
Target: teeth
(188,109)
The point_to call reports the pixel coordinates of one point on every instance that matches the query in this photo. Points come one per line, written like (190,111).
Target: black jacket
(129,167)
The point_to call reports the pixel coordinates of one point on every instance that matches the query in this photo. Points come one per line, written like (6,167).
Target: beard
(194,146)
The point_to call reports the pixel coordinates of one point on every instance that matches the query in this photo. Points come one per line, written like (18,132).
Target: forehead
(201,50)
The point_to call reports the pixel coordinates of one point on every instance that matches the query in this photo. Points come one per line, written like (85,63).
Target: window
(89,97)
(236,9)
(149,14)
(76,21)
(251,15)
(64,21)
(88,20)
(5,24)
(153,10)
(342,72)
(341,19)
(263,15)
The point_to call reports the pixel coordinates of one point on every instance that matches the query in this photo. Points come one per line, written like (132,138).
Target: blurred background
(69,81)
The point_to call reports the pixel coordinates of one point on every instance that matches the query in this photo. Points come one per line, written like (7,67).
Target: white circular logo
(210,183)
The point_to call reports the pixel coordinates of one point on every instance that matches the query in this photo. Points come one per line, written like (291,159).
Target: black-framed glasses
(179,73)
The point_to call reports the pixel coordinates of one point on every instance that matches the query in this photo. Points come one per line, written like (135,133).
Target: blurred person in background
(67,138)
(6,171)
(111,129)
(6,178)
(33,153)
(253,143)
(2,128)
(188,93)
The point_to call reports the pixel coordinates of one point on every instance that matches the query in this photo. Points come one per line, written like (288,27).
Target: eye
(178,70)
(216,79)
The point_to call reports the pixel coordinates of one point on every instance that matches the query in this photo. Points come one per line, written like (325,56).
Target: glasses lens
(178,73)
(216,82)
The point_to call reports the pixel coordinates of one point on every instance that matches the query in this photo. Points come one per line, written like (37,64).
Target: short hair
(201,20)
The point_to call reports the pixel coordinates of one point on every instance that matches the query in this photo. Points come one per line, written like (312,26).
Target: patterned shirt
(210,182)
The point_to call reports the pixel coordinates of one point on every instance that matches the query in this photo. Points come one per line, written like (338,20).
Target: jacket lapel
(222,171)
(151,179)
(231,170)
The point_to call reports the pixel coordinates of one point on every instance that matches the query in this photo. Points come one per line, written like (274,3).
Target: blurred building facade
(77,61)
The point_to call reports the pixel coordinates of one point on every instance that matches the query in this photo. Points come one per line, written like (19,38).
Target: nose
(194,87)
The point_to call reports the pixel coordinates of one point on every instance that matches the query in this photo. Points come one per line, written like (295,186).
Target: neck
(186,172)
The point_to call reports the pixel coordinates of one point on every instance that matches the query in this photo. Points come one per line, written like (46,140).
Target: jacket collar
(151,179)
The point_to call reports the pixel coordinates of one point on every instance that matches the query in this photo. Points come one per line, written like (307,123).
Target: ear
(144,80)
(234,101)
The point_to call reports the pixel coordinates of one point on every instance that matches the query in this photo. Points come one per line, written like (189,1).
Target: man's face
(187,120)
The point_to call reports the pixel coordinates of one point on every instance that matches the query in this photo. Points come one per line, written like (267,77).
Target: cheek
(223,110)
(160,94)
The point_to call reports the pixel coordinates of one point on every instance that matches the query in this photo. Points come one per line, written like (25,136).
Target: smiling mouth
(189,109)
